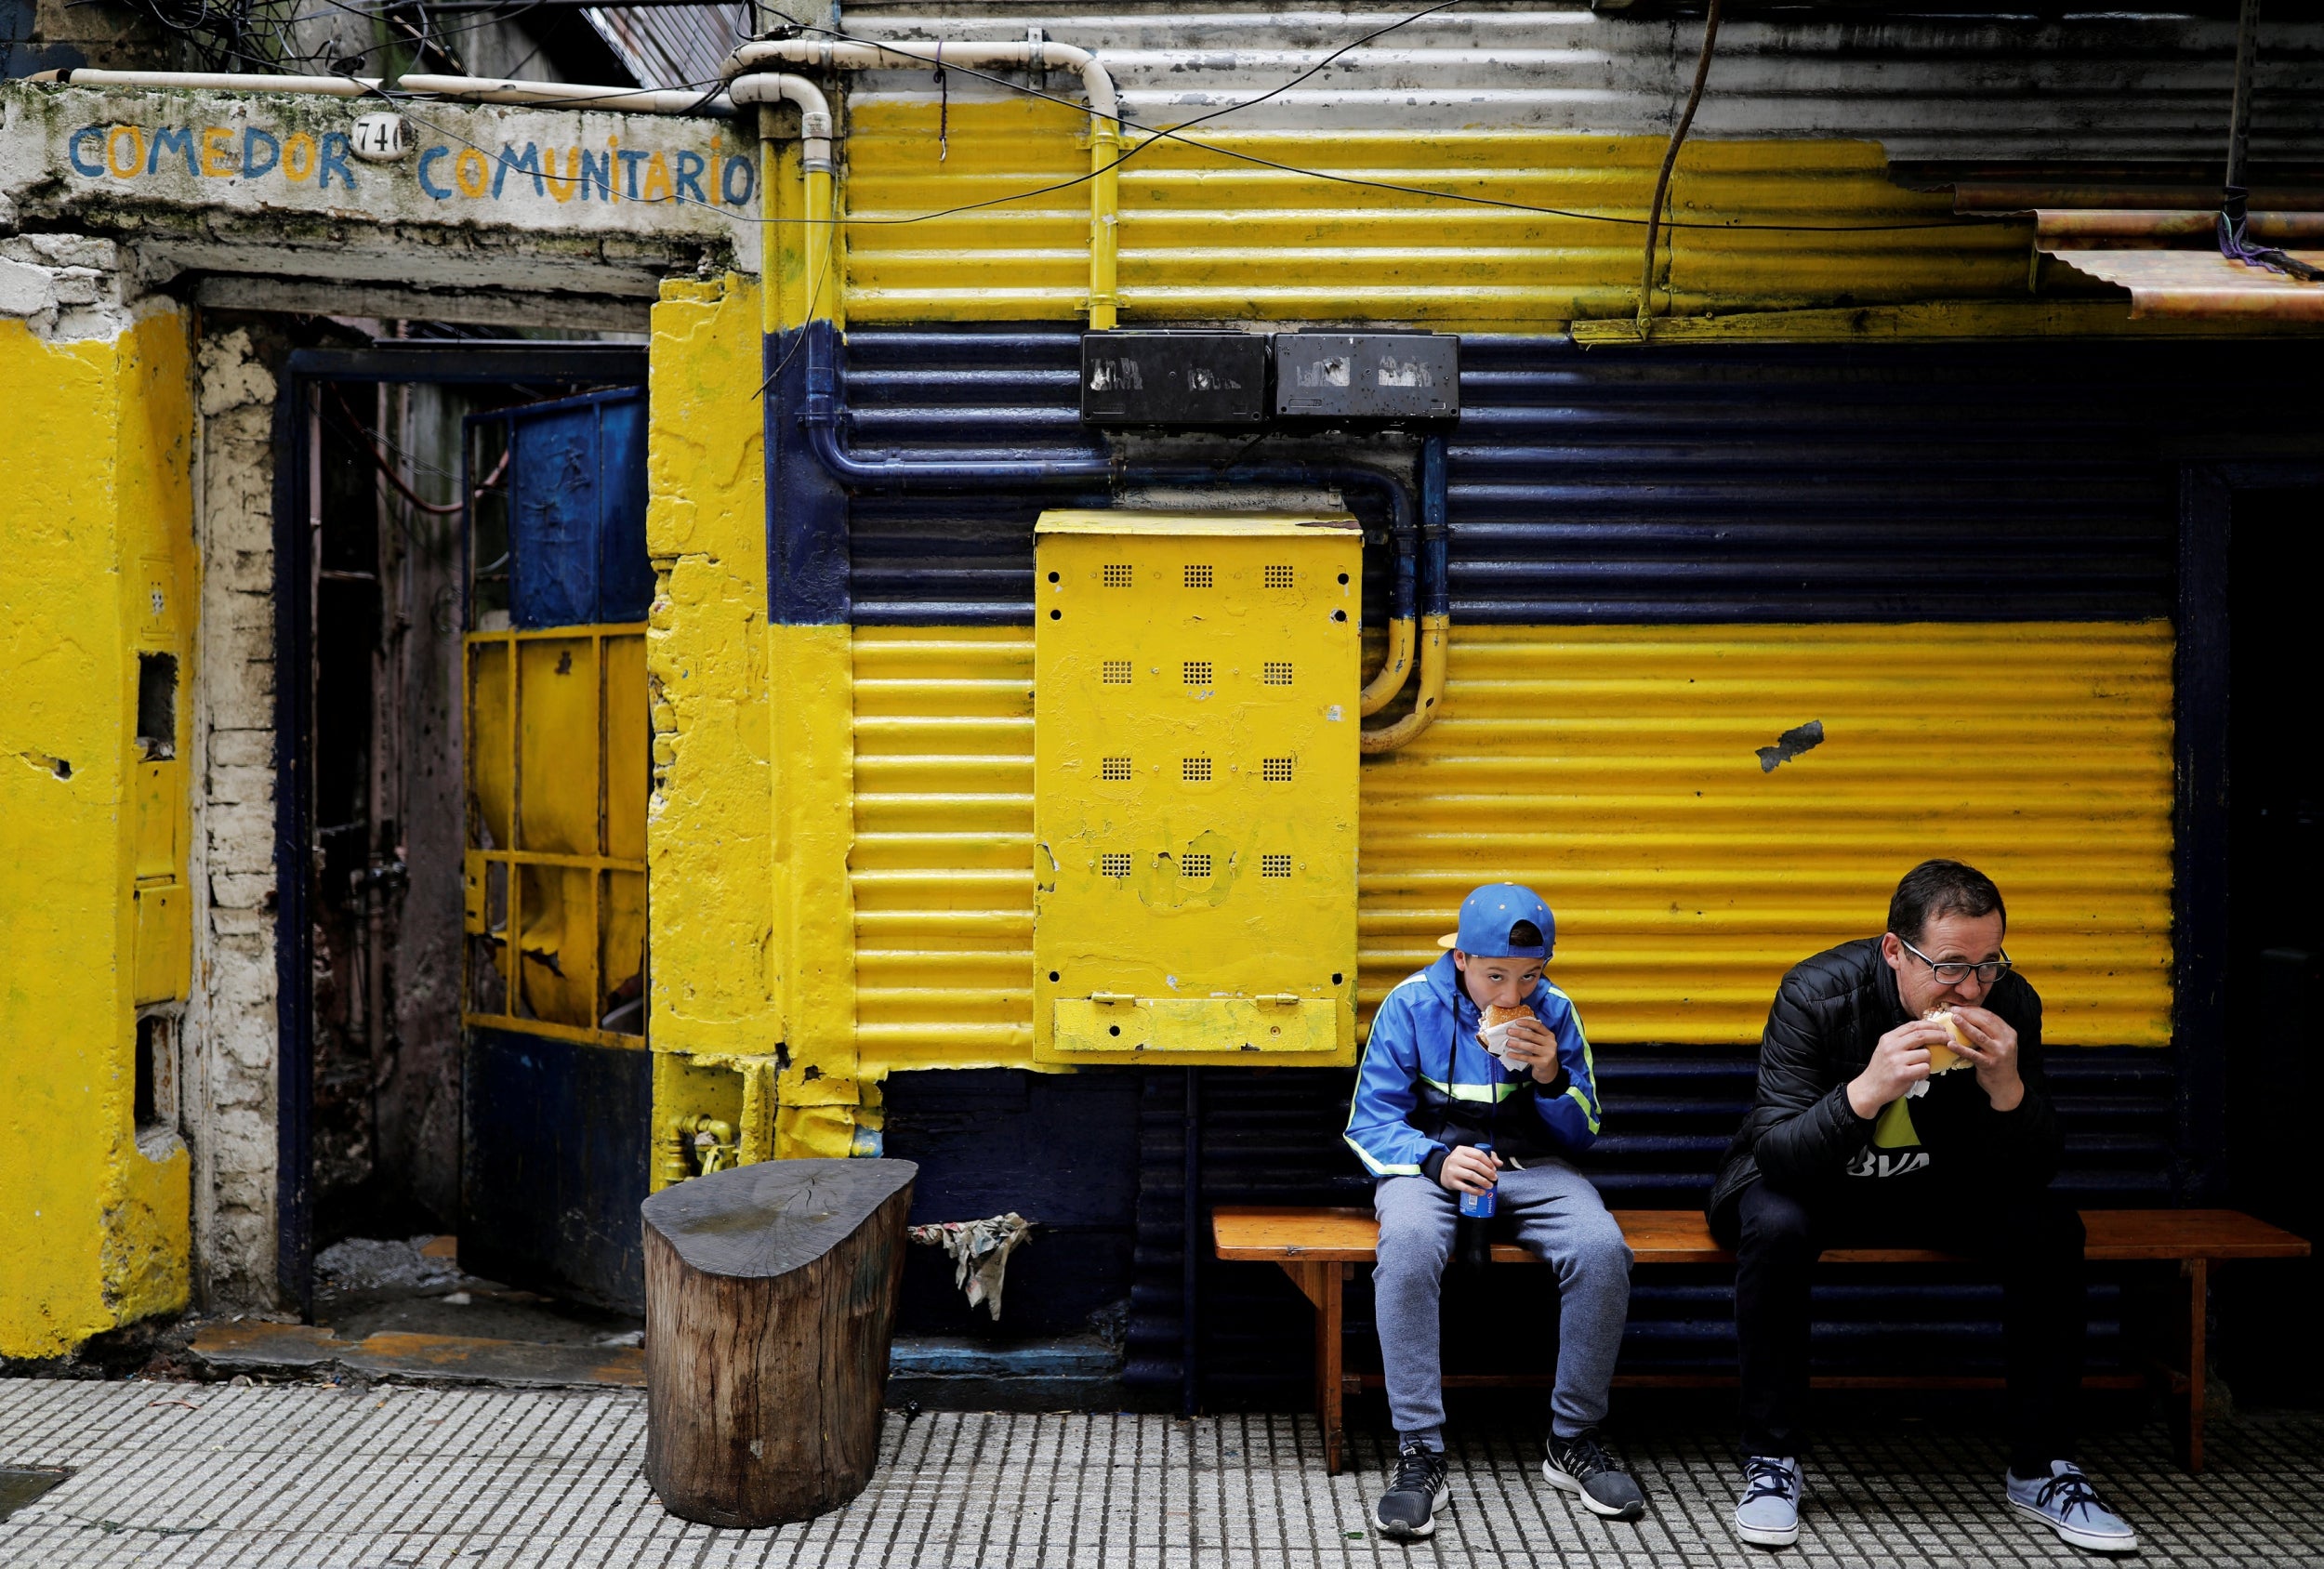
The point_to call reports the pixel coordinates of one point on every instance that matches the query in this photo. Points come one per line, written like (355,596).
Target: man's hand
(1469,1170)
(1899,1061)
(1992,1047)
(1530,1046)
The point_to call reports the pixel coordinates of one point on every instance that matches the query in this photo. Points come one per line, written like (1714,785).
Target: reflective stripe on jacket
(1427,1084)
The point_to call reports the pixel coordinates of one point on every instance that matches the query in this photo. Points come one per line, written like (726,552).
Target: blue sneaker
(1769,1514)
(2065,1502)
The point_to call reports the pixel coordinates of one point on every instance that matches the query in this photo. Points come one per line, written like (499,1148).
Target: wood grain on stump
(770,1296)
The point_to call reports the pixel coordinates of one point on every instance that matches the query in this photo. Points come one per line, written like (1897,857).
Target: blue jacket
(1427,1084)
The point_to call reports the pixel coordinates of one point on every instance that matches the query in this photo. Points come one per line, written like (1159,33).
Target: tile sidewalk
(310,1477)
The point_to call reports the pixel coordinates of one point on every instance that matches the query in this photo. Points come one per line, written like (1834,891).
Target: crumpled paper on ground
(979,1250)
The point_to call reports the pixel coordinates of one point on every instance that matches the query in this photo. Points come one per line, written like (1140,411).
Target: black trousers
(2032,1238)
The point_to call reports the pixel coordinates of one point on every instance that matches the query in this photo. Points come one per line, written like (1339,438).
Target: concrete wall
(232,1034)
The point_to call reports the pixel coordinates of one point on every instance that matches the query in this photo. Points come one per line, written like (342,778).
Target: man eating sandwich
(1901,1103)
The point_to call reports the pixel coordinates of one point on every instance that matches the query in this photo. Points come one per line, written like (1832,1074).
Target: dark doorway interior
(388,803)
(375,540)
(2275,935)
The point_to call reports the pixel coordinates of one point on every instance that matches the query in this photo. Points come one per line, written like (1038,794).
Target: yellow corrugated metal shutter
(1617,769)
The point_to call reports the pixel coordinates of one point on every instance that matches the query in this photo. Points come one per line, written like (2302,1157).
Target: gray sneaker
(1769,1514)
(1582,1466)
(2065,1502)
(1420,1486)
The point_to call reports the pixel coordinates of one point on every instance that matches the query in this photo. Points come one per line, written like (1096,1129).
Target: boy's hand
(1467,1170)
(1530,1046)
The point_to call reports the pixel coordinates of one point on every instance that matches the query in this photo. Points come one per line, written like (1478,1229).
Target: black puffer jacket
(1829,1014)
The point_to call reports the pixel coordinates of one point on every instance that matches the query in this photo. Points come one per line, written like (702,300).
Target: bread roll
(1942,1058)
(1504,1016)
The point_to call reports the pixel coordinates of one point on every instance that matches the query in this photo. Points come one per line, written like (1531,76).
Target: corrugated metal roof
(672,46)
(2095,88)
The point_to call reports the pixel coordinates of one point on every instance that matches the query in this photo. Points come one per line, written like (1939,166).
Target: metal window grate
(1275,866)
(1116,672)
(1275,770)
(1113,865)
(1117,575)
(1194,770)
(1275,672)
(1197,672)
(1114,768)
(1196,863)
(1199,574)
(1280,577)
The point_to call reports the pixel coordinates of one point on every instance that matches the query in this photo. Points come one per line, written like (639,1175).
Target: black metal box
(1175,379)
(1368,376)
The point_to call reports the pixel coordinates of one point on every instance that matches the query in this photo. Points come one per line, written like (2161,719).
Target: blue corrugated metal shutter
(1901,482)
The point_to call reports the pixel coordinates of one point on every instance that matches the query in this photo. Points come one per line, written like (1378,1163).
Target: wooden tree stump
(770,1296)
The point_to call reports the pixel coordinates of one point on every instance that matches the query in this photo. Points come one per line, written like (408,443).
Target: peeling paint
(1790,744)
(230,1036)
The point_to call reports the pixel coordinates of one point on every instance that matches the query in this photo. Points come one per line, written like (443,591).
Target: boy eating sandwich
(1442,1109)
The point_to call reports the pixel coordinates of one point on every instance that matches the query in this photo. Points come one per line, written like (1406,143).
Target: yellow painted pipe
(1433,631)
(770,234)
(821,200)
(756,1141)
(1105,206)
(819,215)
(1382,689)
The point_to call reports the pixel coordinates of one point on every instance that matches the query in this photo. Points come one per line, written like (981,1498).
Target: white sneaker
(1769,1514)
(2065,1502)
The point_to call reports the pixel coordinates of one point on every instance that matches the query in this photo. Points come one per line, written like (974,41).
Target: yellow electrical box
(1194,750)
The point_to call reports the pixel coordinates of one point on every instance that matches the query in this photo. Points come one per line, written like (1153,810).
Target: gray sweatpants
(1561,1218)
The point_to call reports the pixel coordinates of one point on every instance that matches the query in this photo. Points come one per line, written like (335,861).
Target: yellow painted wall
(747,861)
(1616,769)
(100,563)
(708,837)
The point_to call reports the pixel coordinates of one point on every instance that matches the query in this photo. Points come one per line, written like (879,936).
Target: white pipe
(570,95)
(814,111)
(212,81)
(857,55)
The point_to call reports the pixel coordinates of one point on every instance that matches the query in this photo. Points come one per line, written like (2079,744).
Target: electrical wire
(401,102)
(814,295)
(1670,161)
(1177,134)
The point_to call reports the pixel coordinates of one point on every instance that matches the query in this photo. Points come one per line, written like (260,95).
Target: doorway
(401,513)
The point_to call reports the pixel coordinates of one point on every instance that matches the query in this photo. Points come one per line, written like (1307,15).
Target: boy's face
(1497,982)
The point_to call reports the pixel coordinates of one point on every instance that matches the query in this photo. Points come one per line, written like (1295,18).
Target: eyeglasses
(1953,973)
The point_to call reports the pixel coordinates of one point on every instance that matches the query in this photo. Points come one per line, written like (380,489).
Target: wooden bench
(1320,1248)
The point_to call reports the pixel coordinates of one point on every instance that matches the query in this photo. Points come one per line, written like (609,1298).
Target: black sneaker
(1419,1489)
(1581,1466)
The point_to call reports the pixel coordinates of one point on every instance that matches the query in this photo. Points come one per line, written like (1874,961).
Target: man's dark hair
(1524,934)
(1941,887)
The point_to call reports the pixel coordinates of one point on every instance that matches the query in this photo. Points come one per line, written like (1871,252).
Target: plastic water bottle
(1478,1207)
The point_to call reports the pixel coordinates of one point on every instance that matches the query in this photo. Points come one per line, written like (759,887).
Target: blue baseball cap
(1489,915)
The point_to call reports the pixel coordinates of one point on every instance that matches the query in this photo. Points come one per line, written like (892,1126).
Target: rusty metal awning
(2202,284)
(2160,243)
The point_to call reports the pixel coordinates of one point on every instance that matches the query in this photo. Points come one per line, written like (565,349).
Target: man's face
(1497,982)
(1946,940)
